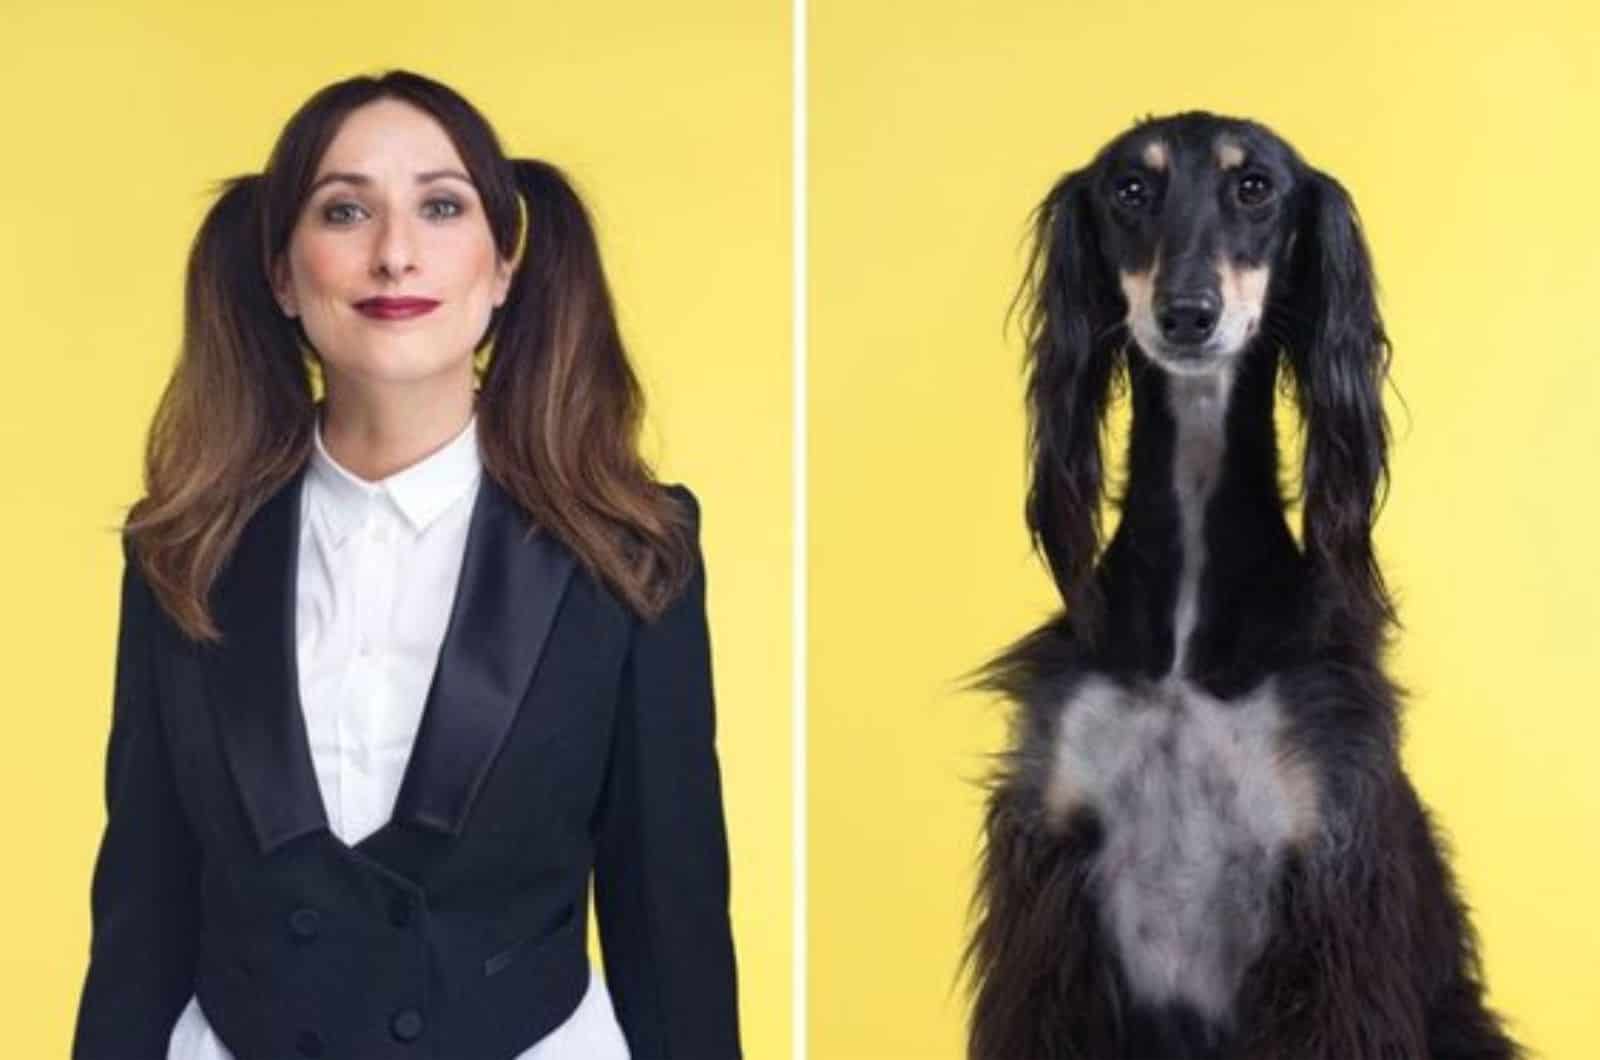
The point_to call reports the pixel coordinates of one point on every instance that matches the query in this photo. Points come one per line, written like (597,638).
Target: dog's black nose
(1187,319)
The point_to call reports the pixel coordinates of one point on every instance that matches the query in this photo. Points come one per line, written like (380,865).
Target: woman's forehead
(389,137)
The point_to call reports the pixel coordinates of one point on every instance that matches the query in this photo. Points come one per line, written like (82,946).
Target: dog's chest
(1199,798)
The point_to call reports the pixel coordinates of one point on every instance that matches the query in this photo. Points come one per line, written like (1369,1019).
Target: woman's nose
(395,252)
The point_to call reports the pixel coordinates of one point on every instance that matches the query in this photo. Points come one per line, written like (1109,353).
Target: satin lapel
(505,604)
(252,680)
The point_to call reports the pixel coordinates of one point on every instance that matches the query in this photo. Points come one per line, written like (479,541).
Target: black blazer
(560,734)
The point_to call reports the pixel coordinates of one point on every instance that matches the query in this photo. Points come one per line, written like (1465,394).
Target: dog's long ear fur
(1338,353)
(1074,314)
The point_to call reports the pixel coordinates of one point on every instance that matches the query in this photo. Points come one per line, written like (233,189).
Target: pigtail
(577,466)
(234,420)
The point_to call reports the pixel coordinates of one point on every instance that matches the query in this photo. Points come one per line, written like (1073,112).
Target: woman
(397,668)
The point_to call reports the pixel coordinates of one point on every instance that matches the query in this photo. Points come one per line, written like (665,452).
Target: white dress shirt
(378,566)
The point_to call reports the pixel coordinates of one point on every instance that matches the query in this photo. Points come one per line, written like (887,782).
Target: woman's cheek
(329,267)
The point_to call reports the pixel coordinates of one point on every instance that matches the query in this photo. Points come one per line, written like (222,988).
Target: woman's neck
(375,432)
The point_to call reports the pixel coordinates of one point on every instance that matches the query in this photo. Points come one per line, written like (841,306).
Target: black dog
(1201,843)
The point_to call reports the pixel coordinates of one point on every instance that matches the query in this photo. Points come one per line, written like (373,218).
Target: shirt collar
(421,491)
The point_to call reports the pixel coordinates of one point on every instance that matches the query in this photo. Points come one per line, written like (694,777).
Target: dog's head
(1198,240)
(1193,213)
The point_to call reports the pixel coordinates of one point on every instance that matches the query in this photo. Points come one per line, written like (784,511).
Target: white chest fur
(1199,798)
(1199,407)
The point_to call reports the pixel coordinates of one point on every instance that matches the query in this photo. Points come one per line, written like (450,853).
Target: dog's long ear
(1339,355)
(1074,350)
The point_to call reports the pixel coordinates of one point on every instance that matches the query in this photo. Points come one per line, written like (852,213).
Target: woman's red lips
(395,308)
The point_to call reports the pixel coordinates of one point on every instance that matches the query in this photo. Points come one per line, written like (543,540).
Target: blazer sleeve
(661,858)
(144,894)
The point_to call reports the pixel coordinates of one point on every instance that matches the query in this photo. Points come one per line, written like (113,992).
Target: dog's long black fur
(1369,953)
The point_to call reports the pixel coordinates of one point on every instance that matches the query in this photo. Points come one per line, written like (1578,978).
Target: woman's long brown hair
(558,406)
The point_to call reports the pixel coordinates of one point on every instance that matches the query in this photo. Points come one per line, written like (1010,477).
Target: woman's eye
(443,207)
(1254,189)
(1132,192)
(340,212)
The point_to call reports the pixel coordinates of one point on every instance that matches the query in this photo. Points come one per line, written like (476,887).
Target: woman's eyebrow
(361,179)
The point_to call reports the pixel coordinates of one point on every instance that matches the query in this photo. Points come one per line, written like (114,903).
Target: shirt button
(305,923)
(400,911)
(308,1043)
(406,1025)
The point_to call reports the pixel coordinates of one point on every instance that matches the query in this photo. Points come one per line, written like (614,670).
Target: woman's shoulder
(678,530)
(684,497)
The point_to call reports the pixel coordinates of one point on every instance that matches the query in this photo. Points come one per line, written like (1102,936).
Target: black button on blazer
(560,735)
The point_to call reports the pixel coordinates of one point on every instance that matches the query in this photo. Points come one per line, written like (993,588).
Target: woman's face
(392,223)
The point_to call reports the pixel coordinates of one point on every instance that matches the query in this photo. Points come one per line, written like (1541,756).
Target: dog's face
(1206,239)
(1193,212)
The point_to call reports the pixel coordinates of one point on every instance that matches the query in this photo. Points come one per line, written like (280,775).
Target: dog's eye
(1132,192)
(1254,189)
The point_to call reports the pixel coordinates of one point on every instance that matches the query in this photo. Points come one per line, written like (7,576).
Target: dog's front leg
(1044,987)
(1340,977)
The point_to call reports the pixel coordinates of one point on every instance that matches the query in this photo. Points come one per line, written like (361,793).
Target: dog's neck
(1199,409)
(1202,576)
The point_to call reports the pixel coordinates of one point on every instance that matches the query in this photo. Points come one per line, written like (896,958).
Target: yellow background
(675,124)
(1467,135)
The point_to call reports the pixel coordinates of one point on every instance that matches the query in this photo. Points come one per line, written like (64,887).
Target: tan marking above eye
(1155,154)
(1230,155)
